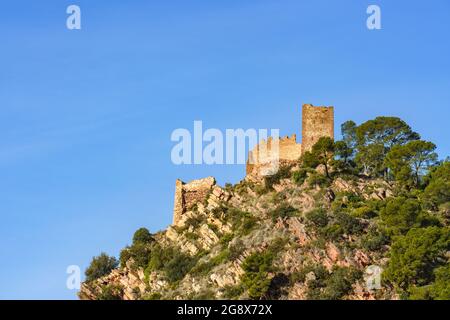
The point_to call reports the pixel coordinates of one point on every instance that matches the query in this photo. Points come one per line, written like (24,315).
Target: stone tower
(317,122)
(188,194)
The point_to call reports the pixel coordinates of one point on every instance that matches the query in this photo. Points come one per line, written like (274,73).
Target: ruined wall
(188,194)
(266,152)
(264,159)
(317,122)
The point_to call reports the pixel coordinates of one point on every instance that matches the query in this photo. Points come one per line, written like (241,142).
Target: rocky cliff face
(315,251)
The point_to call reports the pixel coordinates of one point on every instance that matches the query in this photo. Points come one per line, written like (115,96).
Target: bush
(438,290)
(235,250)
(191,236)
(299,177)
(401,214)
(340,283)
(319,271)
(437,191)
(159,257)
(174,263)
(349,224)
(342,223)
(333,232)
(283,172)
(283,211)
(256,274)
(153,296)
(243,222)
(364,212)
(195,221)
(142,235)
(205,267)
(100,266)
(374,240)
(414,257)
(111,292)
(139,252)
(328,286)
(226,238)
(178,266)
(317,179)
(318,217)
(232,292)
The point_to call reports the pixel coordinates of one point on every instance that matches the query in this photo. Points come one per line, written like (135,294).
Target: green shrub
(437,191)
(299,177)
(364,212)
(320,273)
(142,235)
(401,214)
(170,260)
(232,292)
(349,224)
(226,238)
(317,179)
(283,211)
(340,283)
(191,235)
(326,285)
(235,250)
(277,245)
(205,268)
(437,290)
(139,252)
(110,292)
(256,274)
(414,257)
(243,222)
(374,240)
(153,296)
(178,266)
(195,221)
(100,266)
(283,172)
(318,217)
(125,255)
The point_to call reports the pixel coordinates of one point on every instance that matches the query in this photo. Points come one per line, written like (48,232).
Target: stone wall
(188,194)
(317,122)
(263,157)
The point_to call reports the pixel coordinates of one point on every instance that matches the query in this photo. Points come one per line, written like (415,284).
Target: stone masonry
(188,194)
(316,122)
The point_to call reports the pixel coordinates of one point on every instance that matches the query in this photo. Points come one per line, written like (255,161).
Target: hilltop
(379,197)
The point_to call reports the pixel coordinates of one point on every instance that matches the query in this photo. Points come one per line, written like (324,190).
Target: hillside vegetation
(377,197)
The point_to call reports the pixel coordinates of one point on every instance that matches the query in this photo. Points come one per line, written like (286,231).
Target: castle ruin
(317,122)
(188,194)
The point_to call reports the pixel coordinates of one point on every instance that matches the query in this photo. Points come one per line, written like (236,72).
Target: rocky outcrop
(201,229)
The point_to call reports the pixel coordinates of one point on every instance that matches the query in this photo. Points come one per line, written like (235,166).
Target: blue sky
(86,115)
